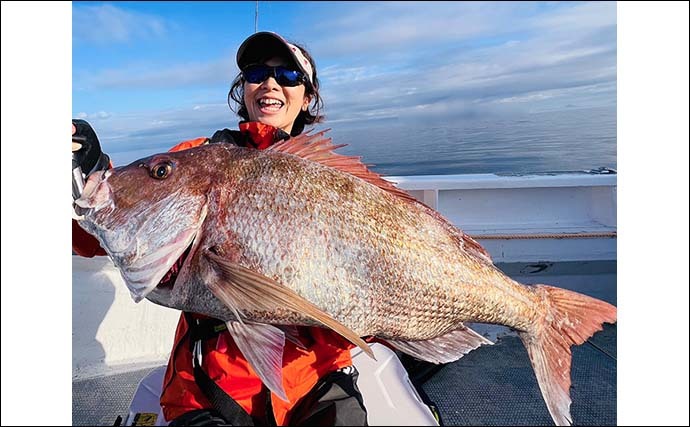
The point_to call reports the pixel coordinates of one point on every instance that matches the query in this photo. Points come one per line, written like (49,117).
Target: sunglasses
(284,76)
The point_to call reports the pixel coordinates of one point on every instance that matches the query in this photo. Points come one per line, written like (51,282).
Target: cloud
(96,115)
(472,83)
(388,29)
(505,57)
(528,97)
(586,16)
(381,28)
(129,136)
(157,76)
(110,24)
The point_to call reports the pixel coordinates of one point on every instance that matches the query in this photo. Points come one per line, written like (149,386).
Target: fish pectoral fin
(444,349)
(239,287)
(262,345)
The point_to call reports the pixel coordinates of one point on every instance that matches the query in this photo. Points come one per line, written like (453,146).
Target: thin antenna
(256,17)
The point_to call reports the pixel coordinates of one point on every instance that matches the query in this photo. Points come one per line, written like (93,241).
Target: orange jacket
(325,351)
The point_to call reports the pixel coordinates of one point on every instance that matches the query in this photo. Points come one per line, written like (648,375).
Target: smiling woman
(277,83)
(306,368)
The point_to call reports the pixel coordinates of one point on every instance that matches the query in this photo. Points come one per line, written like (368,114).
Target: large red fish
(299,235)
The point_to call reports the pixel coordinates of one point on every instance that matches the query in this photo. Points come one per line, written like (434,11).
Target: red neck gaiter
(261,135)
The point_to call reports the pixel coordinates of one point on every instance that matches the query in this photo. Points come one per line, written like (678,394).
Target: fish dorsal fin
(320,149)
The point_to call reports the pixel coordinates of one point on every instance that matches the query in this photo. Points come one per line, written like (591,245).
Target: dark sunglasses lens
(286,77)
(256,74)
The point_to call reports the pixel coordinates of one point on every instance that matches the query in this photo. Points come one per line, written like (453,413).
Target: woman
(278,94)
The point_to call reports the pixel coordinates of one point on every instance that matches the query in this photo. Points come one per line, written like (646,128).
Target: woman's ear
(305,104)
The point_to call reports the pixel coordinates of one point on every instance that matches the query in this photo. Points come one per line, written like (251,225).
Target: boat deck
(492,385)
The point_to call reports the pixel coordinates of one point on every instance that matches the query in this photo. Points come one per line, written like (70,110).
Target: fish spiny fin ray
(320,149)
(571,320)
(444,349)
(238,286)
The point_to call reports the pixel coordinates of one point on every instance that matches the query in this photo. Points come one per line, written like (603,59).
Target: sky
(150,74)
(39,56)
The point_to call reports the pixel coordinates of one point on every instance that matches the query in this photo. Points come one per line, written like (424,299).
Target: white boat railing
(526,218)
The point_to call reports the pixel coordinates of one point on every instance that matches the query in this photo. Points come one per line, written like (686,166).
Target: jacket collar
(261,135)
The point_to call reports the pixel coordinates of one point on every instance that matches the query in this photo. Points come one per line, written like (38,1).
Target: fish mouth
(167,283)
(162,292)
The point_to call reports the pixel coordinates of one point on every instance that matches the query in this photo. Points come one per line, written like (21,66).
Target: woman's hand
(75,145)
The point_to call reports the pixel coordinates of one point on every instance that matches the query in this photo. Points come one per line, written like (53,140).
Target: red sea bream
(300,235)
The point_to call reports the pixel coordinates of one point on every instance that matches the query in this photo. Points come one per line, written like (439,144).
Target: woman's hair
(310,116)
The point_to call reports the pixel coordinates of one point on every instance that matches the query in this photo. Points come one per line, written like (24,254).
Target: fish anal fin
(445,348)
(241,288)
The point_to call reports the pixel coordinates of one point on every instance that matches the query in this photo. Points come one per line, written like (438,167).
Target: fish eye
(161,170)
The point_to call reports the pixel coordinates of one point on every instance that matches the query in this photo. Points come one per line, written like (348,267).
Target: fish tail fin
(570,320)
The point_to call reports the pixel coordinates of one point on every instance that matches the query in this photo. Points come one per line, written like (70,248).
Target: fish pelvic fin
(444,349)
(237,286)
(262,345)
(570,320)
(320,149)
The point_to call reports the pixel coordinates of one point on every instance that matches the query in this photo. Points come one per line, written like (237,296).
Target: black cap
(260,46)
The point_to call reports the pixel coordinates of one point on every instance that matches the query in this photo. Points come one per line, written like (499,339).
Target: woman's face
(272,104)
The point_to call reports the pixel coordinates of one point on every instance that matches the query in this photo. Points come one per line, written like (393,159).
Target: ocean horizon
(553,141)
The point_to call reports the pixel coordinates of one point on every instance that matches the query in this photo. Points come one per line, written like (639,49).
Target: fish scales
(369,268)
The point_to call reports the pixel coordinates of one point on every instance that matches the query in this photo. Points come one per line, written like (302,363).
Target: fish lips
(95,196)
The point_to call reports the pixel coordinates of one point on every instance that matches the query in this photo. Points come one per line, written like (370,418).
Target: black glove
(89,158)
